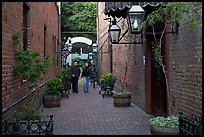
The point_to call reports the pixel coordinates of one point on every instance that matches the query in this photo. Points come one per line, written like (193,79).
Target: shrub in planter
(27,112)
(121,99)
(66,76)
(164,125)
(52,94)
(105,78)
(28,122)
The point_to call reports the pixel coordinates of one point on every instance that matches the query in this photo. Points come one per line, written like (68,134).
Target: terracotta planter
(122,100)
(155,130)
(51,100)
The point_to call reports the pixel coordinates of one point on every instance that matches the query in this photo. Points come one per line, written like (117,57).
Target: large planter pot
(121,100)
(155,130)
(51,100)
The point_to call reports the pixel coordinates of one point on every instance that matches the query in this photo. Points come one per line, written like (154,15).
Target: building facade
(41,23)
(183,55)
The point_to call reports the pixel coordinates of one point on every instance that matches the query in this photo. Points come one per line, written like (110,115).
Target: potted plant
(164,125)
(107,83)
(25,122)
(52,94)
(66,77)
(105,78)
(27,112)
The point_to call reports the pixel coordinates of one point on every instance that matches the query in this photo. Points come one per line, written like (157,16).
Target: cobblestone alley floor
(90,114)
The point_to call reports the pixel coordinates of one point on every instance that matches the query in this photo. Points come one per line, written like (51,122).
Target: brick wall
(104,54)
(186,67)
(40,14)
(135,78)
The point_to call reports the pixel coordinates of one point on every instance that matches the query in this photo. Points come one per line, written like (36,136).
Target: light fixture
(90,55)
(94,46)
(135,17)
(114,31)
(69,45)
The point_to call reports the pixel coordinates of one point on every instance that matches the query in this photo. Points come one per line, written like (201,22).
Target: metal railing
(28,127)
(189,125)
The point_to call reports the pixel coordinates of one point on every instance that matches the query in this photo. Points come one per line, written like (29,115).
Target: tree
(172,13)
(78,16)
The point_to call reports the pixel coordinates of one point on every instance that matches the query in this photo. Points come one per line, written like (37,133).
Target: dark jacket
(86,72)
(75,71)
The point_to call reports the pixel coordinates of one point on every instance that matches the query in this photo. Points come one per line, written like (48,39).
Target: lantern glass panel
(114,33)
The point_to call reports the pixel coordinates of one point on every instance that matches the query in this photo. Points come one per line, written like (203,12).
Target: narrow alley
(90,114)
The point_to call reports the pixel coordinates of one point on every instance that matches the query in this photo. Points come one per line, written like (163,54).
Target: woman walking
(85,76)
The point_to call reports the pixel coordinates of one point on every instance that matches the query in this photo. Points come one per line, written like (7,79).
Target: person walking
(85,74)
(75,76)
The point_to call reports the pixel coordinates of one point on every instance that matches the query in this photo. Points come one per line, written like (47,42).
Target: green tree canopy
(78,16)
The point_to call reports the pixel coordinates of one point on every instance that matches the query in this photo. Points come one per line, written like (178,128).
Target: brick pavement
(90,114)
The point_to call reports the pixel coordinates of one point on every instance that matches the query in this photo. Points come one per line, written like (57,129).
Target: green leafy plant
(121,93)
(16,37)
(53,86)
(65,74)
(172,13)
(105,77)
(170,121)
(27,112)
(30,66)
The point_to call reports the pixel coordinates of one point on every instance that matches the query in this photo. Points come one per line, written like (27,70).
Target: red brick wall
(103,56)
(186,67)
(40,13)
(135,79)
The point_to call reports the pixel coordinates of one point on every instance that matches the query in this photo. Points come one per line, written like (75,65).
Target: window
(45,46)
(25,25)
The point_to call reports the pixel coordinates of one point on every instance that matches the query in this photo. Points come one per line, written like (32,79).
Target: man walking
(75,76)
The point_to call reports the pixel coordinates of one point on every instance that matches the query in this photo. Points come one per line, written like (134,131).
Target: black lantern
(114,32)
(90,56)
(69,45)
(94,46)
(135,17)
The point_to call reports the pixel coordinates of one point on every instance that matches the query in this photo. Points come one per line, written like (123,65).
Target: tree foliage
(78,16)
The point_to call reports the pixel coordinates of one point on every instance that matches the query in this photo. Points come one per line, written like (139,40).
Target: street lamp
(90,56)
(95,49)
(69,45)
(135,16)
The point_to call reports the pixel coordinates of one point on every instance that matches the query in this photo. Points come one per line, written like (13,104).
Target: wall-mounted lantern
(135,17)
(114,31)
